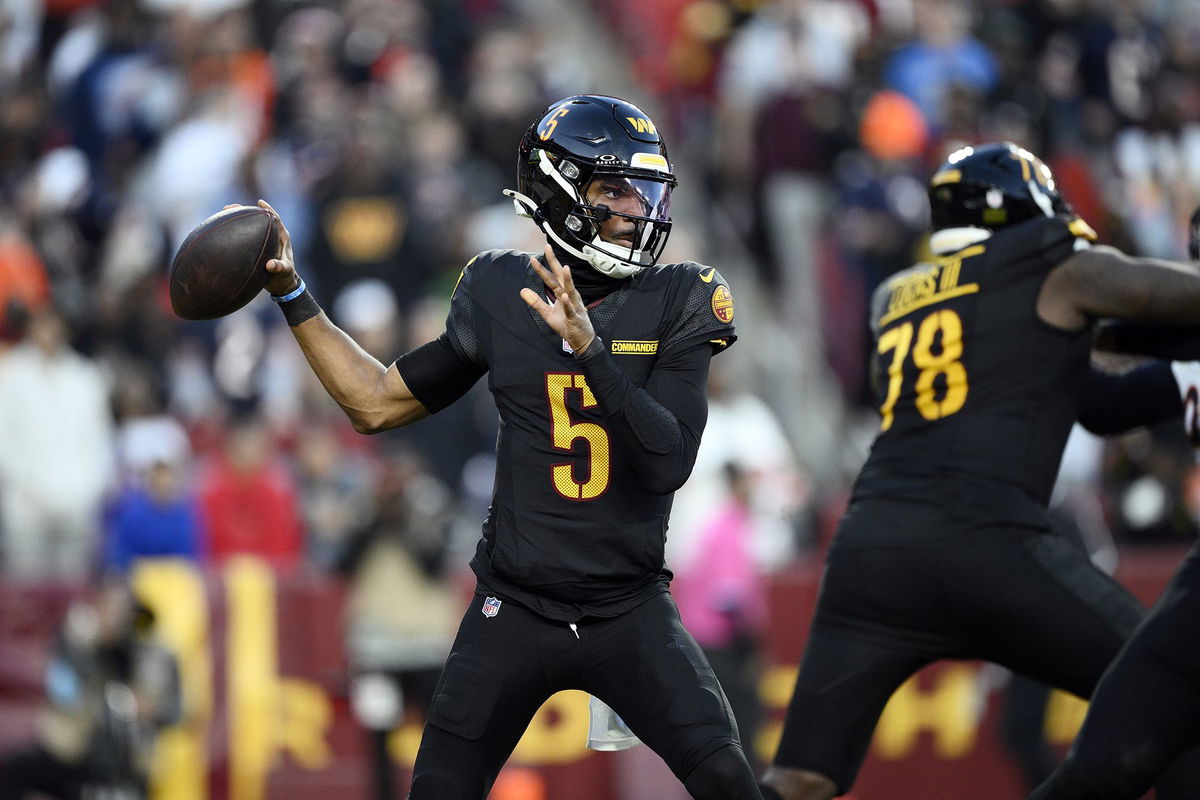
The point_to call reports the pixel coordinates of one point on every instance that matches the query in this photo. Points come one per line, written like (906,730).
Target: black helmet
(993,185)
(585,137)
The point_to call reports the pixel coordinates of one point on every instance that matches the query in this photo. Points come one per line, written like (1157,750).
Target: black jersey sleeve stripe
(436,374)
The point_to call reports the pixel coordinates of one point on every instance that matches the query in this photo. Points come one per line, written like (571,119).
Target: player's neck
(592,284)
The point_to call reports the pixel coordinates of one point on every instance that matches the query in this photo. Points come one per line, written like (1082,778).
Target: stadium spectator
(946,550)
(571,581)
(722,598)
(156,514)
(110,687)
(334,489)
(248,500)
(57,461)
(24,285)
(403,605)
(944,54)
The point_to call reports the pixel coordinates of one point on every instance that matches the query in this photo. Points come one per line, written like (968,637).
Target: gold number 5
(564,432)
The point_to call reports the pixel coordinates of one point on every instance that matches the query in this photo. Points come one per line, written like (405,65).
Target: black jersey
(976,394)
(571,531)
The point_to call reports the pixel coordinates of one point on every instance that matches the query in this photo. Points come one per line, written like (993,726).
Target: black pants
(502,668)
(1029,601)
(1146,711)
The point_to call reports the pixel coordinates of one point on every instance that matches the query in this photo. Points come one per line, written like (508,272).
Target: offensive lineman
(946,549)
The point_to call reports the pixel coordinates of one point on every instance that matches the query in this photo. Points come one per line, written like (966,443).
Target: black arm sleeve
(656,428)
(436,374)
(1114,402)
(1174,342)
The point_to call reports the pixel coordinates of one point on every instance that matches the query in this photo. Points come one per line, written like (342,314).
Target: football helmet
(592,137)
(993,185)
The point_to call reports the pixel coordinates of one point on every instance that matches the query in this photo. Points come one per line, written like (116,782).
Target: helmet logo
(642,125)
(608,158)
(994,198)
(552,122)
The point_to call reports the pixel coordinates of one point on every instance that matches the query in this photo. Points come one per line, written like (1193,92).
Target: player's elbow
(665,480)
(378,420)
(366,425)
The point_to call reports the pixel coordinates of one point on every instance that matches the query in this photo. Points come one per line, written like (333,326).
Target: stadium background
(383,130)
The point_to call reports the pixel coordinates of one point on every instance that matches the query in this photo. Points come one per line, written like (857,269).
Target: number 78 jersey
(971,385)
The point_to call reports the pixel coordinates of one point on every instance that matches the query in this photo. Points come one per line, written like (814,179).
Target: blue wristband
(292,295)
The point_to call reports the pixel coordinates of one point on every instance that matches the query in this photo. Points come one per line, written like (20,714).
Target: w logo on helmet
(641,125)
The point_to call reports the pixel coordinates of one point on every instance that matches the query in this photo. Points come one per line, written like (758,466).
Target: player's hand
(282,268)
(567,315)
(1187,376)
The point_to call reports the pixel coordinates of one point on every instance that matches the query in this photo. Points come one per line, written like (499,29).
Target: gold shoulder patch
(722,304)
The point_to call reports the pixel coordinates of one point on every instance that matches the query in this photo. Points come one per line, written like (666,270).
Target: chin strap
(598,259)
(525,206)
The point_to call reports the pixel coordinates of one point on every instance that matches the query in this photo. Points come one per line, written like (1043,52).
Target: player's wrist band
(292,295)
(298,305)
(596,345)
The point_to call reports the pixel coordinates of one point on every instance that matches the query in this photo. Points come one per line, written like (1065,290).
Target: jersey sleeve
(706,311)
(657,427)
(1115,402)
(461,330)
(441,371)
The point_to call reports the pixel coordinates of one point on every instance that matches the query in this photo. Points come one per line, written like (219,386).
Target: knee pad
(723,775)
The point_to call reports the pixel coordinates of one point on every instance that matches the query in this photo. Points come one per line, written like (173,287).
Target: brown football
(221,265)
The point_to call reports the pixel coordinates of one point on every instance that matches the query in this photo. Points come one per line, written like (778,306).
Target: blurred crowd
(803,132)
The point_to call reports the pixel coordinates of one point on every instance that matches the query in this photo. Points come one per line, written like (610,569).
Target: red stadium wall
(265,682)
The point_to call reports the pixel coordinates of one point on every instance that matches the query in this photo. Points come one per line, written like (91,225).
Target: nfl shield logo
(491,607)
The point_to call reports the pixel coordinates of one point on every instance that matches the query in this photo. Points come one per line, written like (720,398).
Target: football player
(597,357)
(946,549)
(1145,713)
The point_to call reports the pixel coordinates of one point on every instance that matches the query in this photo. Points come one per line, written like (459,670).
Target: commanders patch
(491,607)
(722,304)
(629,347)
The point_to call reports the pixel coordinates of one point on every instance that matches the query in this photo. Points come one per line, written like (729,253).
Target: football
(221,265)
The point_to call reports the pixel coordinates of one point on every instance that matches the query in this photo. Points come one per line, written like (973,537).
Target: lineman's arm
(1104,282)
(1115,402)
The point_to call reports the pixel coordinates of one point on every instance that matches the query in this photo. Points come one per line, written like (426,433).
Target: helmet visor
(632,198)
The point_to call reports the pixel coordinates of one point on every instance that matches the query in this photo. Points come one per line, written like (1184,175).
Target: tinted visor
(631,197)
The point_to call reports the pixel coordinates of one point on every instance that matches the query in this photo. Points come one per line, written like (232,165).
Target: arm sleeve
(1117,402)
(658,427)
(437,374)
(1178,342)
